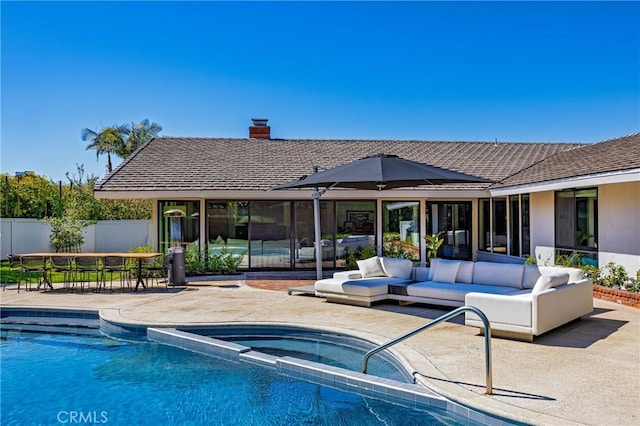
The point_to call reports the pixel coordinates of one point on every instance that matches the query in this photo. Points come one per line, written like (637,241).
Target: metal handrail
(455,312)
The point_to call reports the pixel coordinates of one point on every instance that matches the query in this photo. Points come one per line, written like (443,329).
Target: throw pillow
(465,272)
(370,267)
(433,265)
(547,281)
(446,271)
(396,268)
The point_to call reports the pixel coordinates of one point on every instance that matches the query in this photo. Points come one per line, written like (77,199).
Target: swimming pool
(149,377)
(56,378)
(319,346)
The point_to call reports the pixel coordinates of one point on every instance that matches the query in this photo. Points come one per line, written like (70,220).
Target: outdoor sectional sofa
(520,301)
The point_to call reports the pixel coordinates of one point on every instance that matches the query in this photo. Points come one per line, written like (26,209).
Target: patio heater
(175,246)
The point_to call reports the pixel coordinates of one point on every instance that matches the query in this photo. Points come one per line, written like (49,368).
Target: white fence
(31,235)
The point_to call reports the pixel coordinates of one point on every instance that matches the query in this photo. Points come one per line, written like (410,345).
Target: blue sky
(480,71)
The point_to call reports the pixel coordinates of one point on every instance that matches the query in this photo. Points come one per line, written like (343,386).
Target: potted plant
(433,243)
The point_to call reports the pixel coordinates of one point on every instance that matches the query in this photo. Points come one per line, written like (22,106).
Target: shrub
(224,262)
(67,233)
(194,260)
(615,276)
(593,273)
(633,285)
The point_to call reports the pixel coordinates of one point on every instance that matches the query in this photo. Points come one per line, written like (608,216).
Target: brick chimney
(259,129)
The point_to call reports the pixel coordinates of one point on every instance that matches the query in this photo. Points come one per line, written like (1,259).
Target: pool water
(69,379)
(322,347)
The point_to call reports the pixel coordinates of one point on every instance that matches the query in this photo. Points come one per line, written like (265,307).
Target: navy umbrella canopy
(381,171)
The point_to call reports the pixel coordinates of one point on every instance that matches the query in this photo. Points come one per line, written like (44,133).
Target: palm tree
(109,140)
(140,134)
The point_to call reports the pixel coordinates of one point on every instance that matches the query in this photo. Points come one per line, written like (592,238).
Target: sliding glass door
(453,219)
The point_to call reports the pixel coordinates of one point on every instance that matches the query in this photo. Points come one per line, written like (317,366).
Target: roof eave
(294,194)
(621,176)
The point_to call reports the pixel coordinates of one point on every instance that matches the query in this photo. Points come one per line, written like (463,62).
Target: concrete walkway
(587,372)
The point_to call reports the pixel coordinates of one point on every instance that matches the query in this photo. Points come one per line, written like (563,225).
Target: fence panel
(6,230)
(31,235)
(122,235)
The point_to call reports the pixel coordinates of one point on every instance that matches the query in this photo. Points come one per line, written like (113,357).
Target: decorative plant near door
(433,243)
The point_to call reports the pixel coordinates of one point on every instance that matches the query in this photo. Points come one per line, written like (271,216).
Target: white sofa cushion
(500,274)
(347,275)
(371,267)
(361,287)
(446,291)
(465,272)
(446,271)
(550,280)
(397,268)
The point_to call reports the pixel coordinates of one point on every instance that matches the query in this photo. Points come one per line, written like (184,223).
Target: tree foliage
(36,197)
(119,140)
(139,134)
(109,140)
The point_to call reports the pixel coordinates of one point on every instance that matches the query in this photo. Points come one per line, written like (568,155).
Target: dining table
(139,257)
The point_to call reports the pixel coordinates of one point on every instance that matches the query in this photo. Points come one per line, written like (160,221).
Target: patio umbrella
(381,171)
(377,172)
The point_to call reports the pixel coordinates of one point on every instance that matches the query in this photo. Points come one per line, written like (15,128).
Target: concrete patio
(586,372)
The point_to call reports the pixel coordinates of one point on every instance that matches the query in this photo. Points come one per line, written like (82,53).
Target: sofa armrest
(508,309)
(559,305)
(347,275)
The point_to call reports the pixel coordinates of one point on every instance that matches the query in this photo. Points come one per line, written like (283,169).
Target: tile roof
(608,156)
(197,164)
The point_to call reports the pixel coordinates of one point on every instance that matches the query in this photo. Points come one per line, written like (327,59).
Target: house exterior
(546,199)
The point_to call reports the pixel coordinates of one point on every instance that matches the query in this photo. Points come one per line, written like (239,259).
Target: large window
(503,225)
(453,219)
(304,228)
(228,228)
(179,223)
(281,235)
(401,229)
(519,237)
(356,228)
(492,225)
(270,234)
(577,223)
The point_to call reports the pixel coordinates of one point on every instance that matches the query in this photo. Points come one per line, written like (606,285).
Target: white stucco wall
(542,218)
(619,225)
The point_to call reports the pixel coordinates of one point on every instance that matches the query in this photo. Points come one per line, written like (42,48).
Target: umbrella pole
(316,222)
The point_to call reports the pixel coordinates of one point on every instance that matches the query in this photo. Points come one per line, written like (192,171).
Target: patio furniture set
(87,269)
(520,301)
